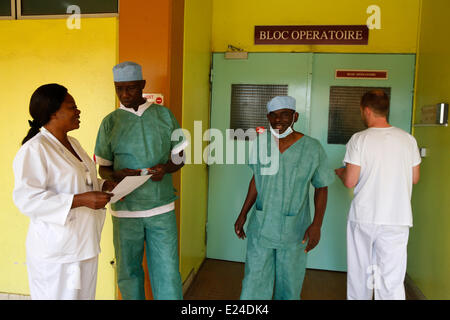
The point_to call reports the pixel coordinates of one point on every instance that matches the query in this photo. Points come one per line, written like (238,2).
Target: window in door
(344,117)
(249,104)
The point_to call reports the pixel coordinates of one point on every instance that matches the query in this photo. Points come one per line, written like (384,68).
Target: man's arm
(172,167)
(248,203)
(108,173)
(349,174)
(160,170)
(416,174)
(313,231)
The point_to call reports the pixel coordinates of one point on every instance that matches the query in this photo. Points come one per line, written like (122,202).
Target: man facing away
(136,140)
(382,163)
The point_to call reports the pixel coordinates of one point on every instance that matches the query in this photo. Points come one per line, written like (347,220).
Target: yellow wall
(42,51)
(234,21)
(194,177)
(35,52)
(429,247)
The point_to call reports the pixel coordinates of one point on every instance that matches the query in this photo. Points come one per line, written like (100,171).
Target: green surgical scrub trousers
(266,268)
(160,235)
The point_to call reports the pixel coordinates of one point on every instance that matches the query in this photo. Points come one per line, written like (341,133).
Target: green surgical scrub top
(138,142)
(282,208)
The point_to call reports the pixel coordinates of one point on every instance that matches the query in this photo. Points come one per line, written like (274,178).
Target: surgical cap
(281,102)
(127,71)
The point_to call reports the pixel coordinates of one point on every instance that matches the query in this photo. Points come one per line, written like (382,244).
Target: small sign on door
(361,74)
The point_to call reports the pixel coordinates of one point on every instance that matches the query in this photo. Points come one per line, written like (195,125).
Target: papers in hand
(126,186)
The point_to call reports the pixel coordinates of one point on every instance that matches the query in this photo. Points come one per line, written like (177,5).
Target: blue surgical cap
(281,102)
(127,71)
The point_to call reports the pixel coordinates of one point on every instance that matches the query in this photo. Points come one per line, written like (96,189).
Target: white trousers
(376,261)
(62,281)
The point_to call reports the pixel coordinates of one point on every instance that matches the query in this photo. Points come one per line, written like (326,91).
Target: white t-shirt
(383,192)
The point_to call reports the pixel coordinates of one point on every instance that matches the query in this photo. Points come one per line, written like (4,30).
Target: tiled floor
(7,296)
(221,280)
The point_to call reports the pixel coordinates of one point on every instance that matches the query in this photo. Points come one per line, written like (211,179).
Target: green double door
(308,78)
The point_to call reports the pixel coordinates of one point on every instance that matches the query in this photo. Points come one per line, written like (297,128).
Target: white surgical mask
(284,134)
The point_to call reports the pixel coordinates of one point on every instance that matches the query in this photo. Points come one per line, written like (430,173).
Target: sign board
(361,74)
(312,35)
(157,98)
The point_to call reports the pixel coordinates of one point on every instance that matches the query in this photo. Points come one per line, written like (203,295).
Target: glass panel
(344,118)
(5,7)
(56,7)
(249,104)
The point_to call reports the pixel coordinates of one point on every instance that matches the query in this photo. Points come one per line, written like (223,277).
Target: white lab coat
(47,176)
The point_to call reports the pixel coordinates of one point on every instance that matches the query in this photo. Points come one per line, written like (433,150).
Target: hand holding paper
(127,185)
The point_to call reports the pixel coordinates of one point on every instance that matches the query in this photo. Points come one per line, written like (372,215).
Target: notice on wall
(362,74)
(157,98)
(312,35)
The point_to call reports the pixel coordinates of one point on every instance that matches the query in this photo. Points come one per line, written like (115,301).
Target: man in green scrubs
(280,232)
(136,140)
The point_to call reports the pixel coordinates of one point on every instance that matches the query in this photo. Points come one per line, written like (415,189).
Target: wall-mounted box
(236,55)
(435,114)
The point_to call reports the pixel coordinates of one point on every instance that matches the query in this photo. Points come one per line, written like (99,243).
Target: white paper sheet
(127,185)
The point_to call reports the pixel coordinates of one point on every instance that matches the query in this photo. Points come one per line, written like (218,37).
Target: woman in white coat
(56,185)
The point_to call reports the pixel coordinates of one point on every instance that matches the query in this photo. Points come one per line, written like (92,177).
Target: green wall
(429,246)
